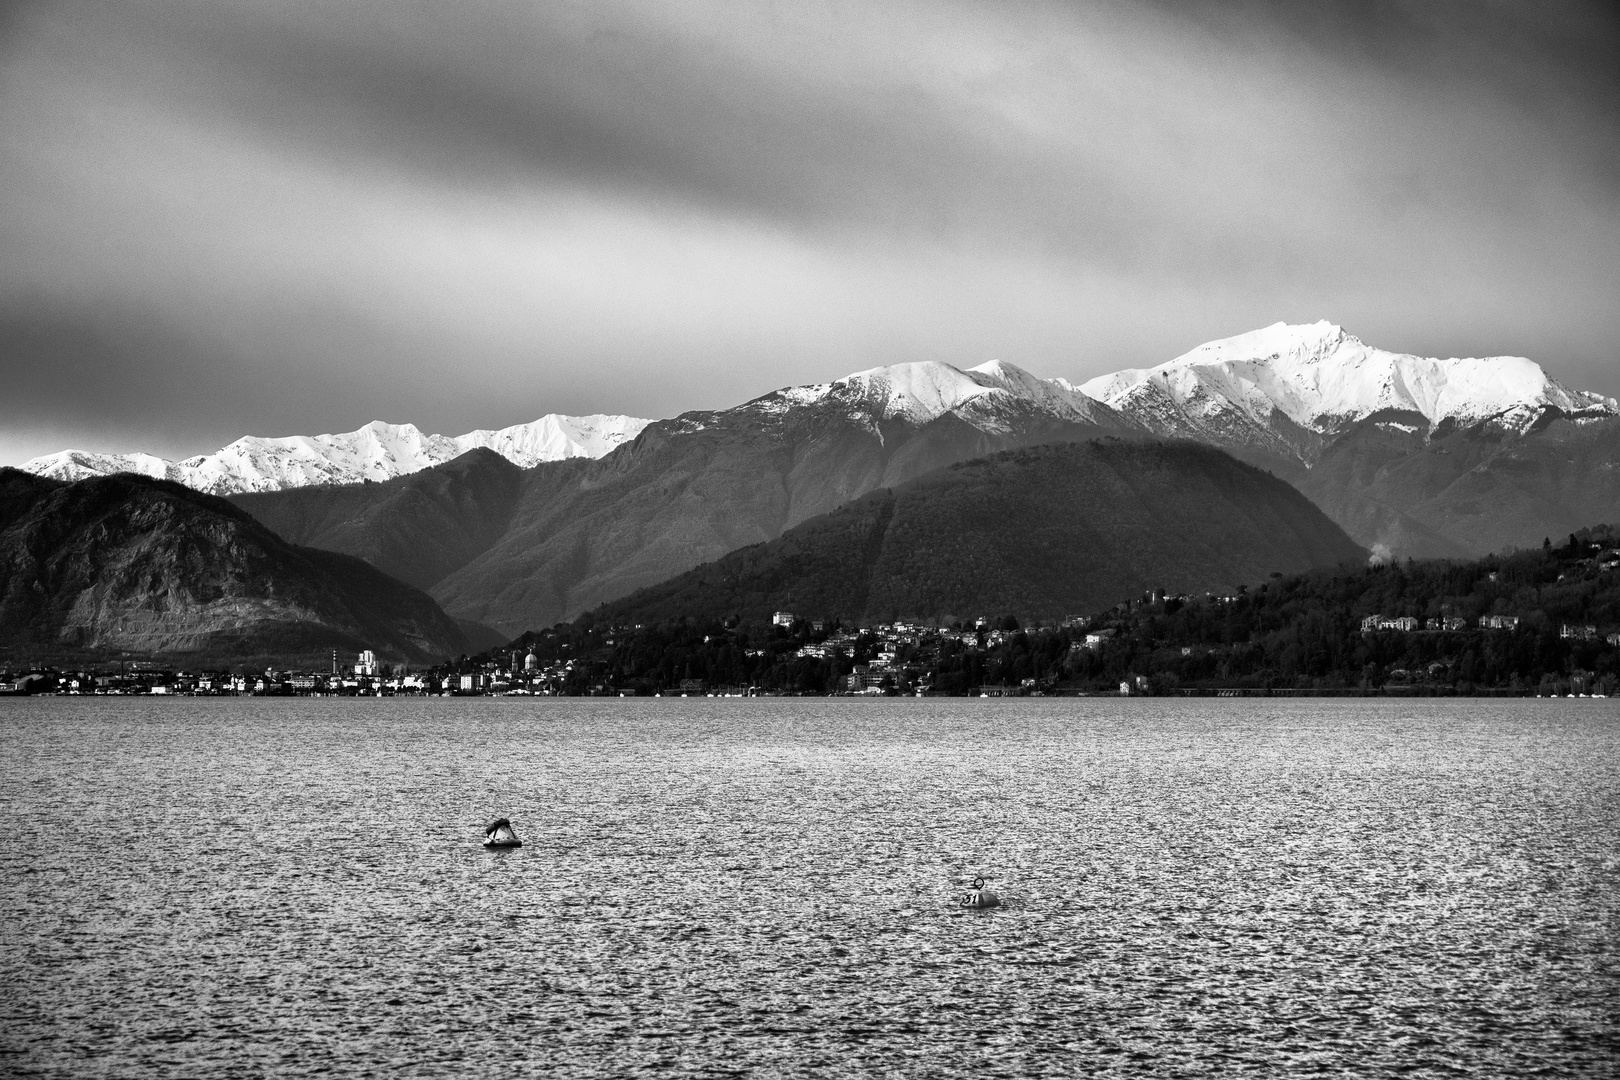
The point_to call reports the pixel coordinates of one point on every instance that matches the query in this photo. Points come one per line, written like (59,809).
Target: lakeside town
(1537,622)
(889,659)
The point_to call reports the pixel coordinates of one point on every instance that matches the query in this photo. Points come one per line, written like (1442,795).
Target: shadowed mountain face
(678,498)
(133,564)
(1462,490)
(419,527)
(1042,532)
(1344,484)
(564,537)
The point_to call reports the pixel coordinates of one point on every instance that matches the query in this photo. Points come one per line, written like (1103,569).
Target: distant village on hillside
(890,659)
(1540,622)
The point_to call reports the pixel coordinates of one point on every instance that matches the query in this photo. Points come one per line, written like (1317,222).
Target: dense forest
(1041,532)
(1293,633)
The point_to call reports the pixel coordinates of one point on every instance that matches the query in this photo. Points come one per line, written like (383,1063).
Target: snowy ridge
(924,391)
(1321,379)
(378,451)
(554,437)
(1283,389)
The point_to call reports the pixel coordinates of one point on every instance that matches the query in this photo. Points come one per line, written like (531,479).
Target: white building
(1097,640)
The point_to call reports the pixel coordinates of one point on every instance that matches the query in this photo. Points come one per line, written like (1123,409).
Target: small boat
(499,834)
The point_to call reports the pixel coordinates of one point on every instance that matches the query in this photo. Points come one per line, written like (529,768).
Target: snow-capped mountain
(1283,388)
(377,451)
(519,553)
(1276,396)
(987,396)
(694,487)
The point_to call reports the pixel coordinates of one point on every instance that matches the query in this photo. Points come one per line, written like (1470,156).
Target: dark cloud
(302,216)
(1521,47)
(495,100)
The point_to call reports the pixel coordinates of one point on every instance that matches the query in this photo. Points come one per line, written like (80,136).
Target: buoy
(499,834)
(980,897)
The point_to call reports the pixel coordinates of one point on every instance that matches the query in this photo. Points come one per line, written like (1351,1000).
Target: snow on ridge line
(377,451)
(925,390)
(1320,377)
(1315,374)
(919,391)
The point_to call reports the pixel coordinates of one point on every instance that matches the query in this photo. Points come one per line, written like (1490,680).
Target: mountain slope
(917,393)
(1378,439)
(134,564)
(694,488)
(1294,632)
(581,532)
(986,397)
(1343,475)
(1477,488)
(1041,532)
(419,527)
(1313,403)
(1350,425)
(1283,388)
(377,451)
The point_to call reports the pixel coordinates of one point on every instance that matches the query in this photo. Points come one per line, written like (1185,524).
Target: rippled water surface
(249,886)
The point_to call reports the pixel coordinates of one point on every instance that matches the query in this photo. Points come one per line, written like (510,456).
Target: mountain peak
(1005,376)
(1281,389)
(918,392)
(377,450)
(923,391)
(1322,378)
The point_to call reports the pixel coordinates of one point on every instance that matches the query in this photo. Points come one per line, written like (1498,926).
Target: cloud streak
(227,218)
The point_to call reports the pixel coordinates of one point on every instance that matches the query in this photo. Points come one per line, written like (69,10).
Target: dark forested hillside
(1553,609)
(519,548)
(417,527)
(1556,610)
(1039,532)
(130,564)
(1465,490)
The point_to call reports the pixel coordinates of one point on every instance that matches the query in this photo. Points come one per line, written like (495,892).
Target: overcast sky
(273,217)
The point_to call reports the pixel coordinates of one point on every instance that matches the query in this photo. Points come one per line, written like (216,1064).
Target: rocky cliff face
(132,564)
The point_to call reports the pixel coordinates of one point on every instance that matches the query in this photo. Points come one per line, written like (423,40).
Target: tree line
(1303,631)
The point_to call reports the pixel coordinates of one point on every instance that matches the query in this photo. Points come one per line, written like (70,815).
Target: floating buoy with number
(499,834)
(980,897)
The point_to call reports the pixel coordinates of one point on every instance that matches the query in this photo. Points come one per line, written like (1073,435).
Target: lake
(232,887)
